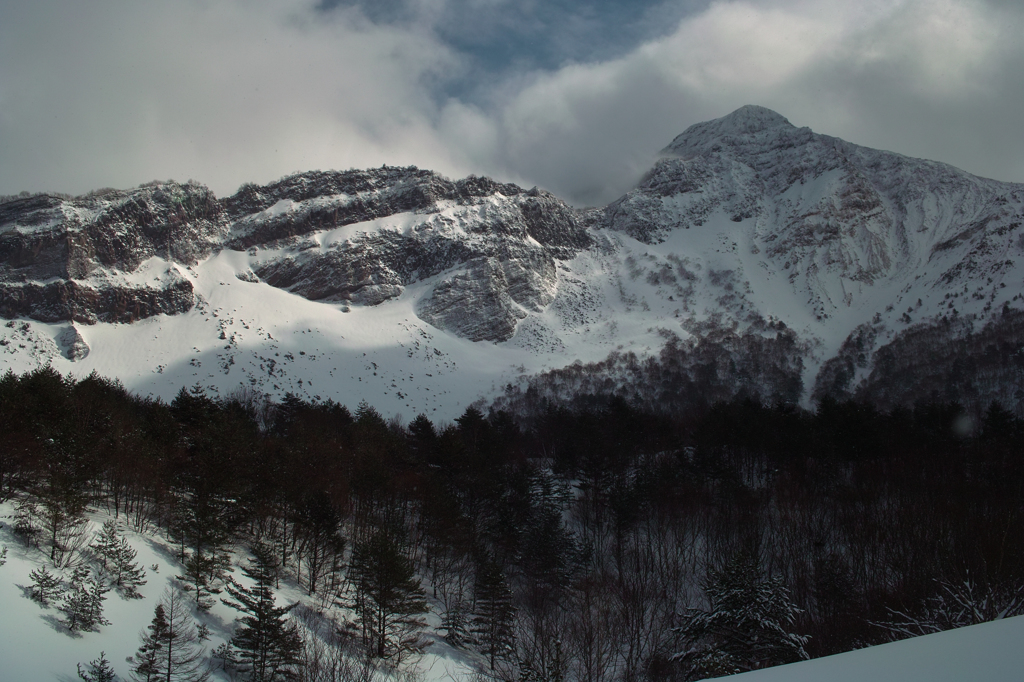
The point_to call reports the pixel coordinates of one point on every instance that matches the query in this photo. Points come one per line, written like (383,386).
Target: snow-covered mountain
(850,271)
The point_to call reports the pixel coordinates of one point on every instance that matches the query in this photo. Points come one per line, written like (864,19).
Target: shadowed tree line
(589,543)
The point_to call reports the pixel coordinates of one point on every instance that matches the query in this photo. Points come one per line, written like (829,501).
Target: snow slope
(35,646)
(989,652)
(252,334)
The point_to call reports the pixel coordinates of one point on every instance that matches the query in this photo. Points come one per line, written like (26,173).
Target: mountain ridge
(744,222)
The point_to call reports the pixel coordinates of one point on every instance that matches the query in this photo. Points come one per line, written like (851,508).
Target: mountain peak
(749,119)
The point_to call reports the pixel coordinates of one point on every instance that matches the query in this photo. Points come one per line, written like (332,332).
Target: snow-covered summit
(838,239)
(749,119)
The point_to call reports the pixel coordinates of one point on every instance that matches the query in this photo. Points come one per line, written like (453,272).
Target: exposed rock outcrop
(69,258)
(69,300)
(72,345)
(473,303)
(366,240)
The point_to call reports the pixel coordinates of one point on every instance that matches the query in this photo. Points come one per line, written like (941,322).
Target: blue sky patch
(501,37)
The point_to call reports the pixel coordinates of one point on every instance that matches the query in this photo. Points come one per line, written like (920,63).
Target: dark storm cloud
(573,96)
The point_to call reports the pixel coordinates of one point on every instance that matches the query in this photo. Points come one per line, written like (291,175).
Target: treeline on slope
(951,359)
(600,543)
(717,364)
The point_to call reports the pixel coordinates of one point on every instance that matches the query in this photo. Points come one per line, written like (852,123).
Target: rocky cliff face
(357,237)
(749,239)
(361,237)
(67,259)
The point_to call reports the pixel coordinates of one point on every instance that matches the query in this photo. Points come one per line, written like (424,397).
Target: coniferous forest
(588,543)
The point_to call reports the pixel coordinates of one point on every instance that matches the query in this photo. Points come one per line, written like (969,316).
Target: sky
(574,96)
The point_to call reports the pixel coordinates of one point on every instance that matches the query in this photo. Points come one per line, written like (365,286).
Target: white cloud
(931,78)
(117,92)
(738,45)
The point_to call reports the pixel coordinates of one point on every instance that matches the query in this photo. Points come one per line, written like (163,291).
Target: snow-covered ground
(989,652)
(34,644)
(252,334)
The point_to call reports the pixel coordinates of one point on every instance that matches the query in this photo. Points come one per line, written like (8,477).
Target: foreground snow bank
(989,652)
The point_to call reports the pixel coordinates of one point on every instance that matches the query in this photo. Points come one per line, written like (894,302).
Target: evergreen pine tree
(268,645)
(198,524)
(130,575)
(105,544)
(118,560)
(388,600)
(25,528)
(554,550)
(454,623)
(58,494)
(203,575)
(170,649)
(492,623)
(204,507)
(227,657)
(83,602)
(76,601)
(145,662)
(317,524)
(3,555)
(746,627)
(97,595)
(46,587)
(99,670)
